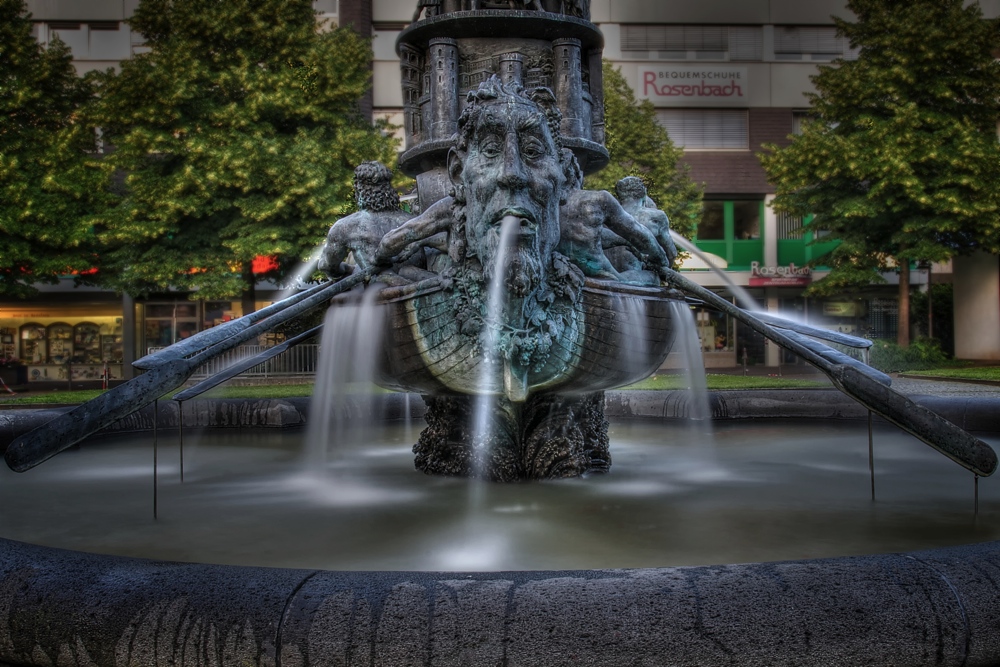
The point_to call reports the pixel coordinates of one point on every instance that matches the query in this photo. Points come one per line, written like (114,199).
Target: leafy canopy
(640,146)
(901,160)
(237,134)
(47,186)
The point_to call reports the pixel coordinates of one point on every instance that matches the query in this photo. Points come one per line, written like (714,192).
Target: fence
(298,361)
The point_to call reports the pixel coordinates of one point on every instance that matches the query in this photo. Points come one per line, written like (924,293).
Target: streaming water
(469,544)
(688,346)
(746,302)
(344,398)
(496,300)
(633,321)
(300,278)
(775,491)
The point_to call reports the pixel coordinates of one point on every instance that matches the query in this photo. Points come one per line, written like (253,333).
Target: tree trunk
(249,296)
(903,329)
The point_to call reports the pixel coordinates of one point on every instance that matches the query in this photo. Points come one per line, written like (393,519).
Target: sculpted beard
(522,268)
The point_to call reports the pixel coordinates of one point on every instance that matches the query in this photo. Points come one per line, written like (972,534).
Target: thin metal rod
(156,404)
(180,434)
(975,484)
(871,454)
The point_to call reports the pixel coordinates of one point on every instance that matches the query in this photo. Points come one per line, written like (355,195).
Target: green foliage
(47,185)
(942,305)
(639,146)
(976,373)
(924,353)
(237,134)
(722,382)
(901,161)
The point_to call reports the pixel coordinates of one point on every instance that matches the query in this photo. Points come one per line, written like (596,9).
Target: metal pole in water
(155,419)
(975,485)
(871,454)
(180,434)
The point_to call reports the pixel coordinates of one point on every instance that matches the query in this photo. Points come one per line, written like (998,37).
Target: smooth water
(762,491)
(688,346)
(349,350)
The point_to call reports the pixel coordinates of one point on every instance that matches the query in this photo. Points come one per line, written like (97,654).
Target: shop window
(8,349)
(60,339)
(87,343)
(712,225)
(746,220)
(34,349)
(166,323)
(218,312)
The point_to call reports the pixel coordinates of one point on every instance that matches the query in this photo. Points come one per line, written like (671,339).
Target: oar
(244,364)
(864,384)
(209,337)
(67,429)
(824,334)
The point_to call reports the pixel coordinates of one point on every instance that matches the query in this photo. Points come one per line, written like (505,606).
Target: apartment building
(726,77)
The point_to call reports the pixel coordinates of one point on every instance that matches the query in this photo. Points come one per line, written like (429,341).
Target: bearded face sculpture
(507,172)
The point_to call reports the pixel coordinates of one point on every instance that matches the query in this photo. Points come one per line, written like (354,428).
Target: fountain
(504,312)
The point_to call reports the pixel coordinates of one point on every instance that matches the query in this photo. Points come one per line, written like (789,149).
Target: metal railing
(298,361)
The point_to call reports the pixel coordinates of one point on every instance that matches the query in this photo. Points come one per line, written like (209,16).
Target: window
(692,42)
(712,226)
(789,226)
(810,43)
(707,128)
(746,220)
(731,229)
(166,323)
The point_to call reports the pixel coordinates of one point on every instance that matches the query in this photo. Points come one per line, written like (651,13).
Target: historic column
(443,58)
(411,73)
(569,84)
(512,68)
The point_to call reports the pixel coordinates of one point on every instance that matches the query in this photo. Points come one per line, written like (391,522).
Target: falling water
(302,274)
(344,391)
(687,344)
(496,300)
(634,324)
(746,301)
(477,547)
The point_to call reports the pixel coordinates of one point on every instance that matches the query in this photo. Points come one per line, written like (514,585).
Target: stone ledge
(923,608)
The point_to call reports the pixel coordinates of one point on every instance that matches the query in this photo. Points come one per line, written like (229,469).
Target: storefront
(58,339)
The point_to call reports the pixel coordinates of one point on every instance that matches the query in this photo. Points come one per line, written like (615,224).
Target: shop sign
(779,276)
(690,85)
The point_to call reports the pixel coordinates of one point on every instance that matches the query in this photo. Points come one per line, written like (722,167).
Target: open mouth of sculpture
(517,219)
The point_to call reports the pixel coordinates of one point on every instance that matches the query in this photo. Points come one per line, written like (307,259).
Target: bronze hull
(620,334)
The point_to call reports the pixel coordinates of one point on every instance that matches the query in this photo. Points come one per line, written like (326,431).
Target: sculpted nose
(512,174)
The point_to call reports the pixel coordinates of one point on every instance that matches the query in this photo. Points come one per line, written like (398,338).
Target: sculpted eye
(533,148)
(491,146)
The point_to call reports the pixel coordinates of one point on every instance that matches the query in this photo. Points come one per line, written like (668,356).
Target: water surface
(755,491)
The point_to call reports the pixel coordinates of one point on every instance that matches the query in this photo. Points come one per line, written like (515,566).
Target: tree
(901,162)
(640,146)
(237,135)
(47,186)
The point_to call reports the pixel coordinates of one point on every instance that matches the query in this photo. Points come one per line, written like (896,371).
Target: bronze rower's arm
(436,219)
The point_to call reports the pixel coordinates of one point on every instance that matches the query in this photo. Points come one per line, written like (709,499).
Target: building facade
(725,76)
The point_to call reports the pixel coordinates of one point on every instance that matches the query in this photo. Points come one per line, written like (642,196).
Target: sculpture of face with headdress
(507,171)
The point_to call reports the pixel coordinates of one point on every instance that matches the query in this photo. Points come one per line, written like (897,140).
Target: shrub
(922,354)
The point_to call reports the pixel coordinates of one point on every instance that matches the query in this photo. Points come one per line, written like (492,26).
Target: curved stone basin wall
(927,608)
(939,607)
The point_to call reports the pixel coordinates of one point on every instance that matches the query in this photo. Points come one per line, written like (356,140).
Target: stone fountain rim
(936,606)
